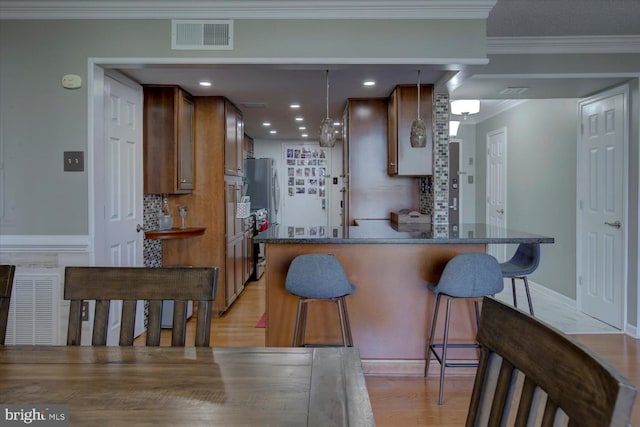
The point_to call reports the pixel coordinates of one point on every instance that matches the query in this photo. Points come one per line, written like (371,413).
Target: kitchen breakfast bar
(390,264)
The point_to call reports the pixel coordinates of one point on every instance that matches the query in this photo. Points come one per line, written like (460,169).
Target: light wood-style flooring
(411,401)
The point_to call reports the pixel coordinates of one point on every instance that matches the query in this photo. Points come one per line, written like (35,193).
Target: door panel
(603,197)
(123,187)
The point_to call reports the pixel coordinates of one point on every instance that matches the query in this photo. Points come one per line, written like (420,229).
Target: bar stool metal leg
(346,319)
(296,330)
(431,335)
(342,323)
(513,288)
(445,343)
(303,321)
(526,288)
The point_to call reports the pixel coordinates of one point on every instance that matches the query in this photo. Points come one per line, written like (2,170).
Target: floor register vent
(202,35)
(33,312)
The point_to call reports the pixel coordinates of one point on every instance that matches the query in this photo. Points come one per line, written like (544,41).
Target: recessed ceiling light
(302,127)
(294,106)
(273,131)
(205,83)
(304,135)
(369,83)
(299,119)
(266,124)
(337,124)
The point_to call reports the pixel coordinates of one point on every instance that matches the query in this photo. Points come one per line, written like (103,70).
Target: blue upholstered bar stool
(524,262)
(319,277)
(473,275)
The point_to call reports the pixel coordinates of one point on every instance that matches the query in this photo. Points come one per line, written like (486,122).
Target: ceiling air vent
(202,35)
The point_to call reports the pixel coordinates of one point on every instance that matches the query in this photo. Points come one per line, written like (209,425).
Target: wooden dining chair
(531,371)
(6,284)
(130,284)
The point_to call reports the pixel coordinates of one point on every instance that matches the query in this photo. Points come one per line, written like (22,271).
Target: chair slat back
(130,284)
(530,371)
(6,284)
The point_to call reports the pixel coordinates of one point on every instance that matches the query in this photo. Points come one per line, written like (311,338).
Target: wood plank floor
(410,401)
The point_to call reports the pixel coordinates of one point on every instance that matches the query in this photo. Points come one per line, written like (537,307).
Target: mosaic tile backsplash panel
(434,190)
(152,249)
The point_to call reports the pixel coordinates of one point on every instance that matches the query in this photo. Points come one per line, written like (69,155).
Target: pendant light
(327,131)
(418,127)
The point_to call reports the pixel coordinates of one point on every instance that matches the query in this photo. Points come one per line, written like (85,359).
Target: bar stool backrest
(470,275)
(317,276)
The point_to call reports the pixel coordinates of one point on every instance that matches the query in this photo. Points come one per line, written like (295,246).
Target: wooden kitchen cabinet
(403,159)
(235,274)
(212,205)
(168,140)
(234,140)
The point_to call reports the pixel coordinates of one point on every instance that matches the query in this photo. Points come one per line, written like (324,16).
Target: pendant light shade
(418,136)
(327,130)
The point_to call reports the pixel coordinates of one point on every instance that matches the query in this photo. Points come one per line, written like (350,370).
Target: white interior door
(603,200)
(123,200)
(497,187)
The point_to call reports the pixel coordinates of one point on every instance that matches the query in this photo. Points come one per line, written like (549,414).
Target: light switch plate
(74,161)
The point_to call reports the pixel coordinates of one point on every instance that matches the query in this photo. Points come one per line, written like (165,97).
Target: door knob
(616,224)
(139,228)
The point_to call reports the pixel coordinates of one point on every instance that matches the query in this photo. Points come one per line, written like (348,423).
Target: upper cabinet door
(168,140)
(234,140)
(403,159)
(185,142)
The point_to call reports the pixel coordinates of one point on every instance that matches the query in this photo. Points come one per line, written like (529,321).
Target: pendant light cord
(418,94)
(327,93)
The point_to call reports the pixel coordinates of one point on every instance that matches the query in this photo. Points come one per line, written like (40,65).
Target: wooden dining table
(190,386)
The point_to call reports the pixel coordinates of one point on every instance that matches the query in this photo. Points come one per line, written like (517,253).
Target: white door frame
(624,90)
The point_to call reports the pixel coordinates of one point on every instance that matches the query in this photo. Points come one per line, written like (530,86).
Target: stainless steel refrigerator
(261,181)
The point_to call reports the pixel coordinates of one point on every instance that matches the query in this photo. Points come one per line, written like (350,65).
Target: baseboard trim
(556,296)
(44,243)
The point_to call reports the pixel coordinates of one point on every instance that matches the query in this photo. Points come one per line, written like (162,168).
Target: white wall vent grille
(207,35)
(33,313)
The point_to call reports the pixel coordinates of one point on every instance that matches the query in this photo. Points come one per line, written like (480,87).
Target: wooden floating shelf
(174,233)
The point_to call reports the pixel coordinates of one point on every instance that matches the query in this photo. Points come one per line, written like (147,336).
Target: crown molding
(563,45)
(252,9)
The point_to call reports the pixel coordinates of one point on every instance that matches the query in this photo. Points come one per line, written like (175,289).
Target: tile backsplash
(434,190)
(152,249)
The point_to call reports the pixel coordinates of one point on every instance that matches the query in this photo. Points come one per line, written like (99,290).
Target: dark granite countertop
(384,231)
